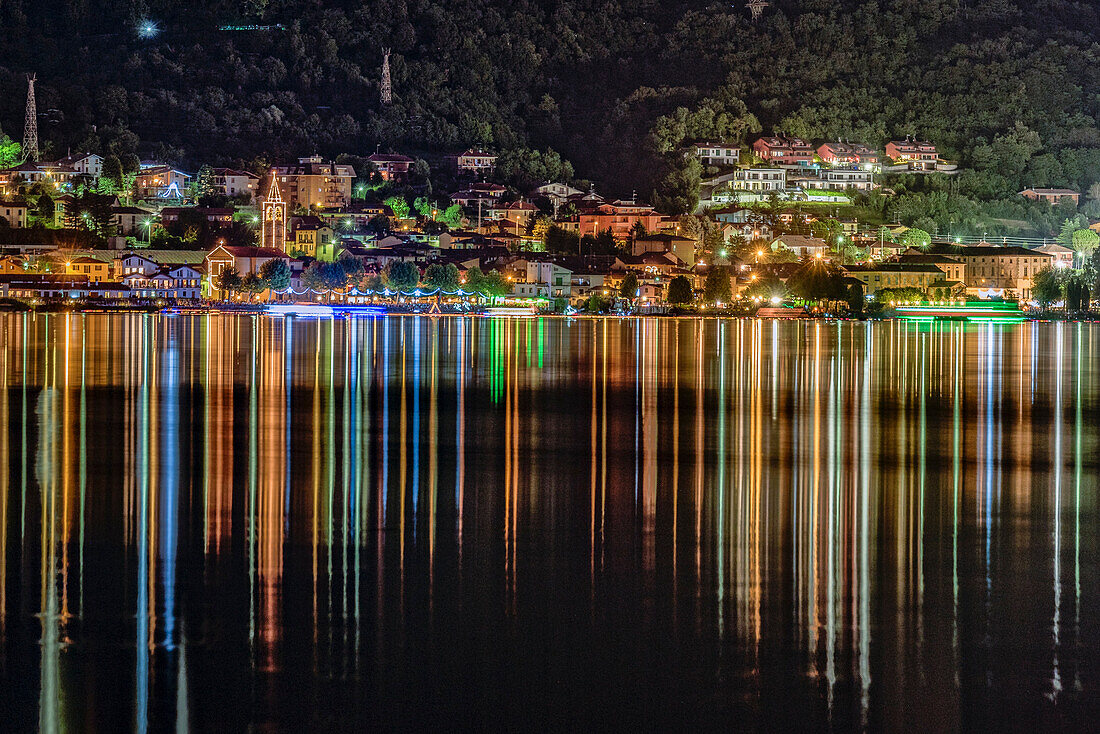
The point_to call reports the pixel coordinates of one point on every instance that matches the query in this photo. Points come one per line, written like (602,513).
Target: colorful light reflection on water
(214,521)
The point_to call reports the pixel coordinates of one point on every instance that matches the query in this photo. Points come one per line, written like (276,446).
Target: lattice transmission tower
(387,86)
(756,7)
(30,126)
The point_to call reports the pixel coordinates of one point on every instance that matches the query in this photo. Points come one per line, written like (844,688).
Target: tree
(827,229)
(766,288)
(560,240)
(722,116)
(1069,226)
(45,209)
(1047,286)
(228,280)
(451,216)
(275,274)
(717,288)
(93,213)
(602,244)
(402,276)
(423,207)
(474,279)
(628,289)
(442,276)
(539,226)
(352,268)
(488,284)
(373,282)
(112,171)
(10,152)
(251,284)
(1077,291)
(204,182)
(916,238)
(817,281)
(495,284)
(311,277)
(680,292)
(597,304)
(399,206)
(678,191)
(690,226)
(855,298)
(1084,242)
(325,276)
(525,168)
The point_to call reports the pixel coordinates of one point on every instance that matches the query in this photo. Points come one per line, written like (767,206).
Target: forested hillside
(1009,88)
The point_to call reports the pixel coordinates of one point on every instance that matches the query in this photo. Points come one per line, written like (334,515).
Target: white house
(712,153)
(85,164)
(231,182)
(171,281)
(133,263)
(545,280)
(760,179)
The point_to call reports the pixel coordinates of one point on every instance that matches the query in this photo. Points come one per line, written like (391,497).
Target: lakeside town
(777,231)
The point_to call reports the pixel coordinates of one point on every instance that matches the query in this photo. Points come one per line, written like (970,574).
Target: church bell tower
(273,217)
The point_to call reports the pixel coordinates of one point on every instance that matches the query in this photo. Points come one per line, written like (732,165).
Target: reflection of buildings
(831,506)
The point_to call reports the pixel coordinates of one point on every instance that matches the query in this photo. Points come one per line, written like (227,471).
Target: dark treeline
(1008,88)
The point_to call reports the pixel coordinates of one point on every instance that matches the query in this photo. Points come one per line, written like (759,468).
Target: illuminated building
(273,218)
(159,182)
(14,213)
(918,155)
(391,166)
(314,184)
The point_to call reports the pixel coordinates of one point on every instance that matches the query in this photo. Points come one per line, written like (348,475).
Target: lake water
(223,522)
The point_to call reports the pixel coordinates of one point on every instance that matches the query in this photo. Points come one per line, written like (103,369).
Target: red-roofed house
(785,151)
(1052,196)
(619,217)
(921,156)
(847,154)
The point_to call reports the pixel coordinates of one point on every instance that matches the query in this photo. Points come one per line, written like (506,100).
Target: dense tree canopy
(598,89)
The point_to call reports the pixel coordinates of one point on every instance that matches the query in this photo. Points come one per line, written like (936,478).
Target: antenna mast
(30,127)
(756,7)
(387,87)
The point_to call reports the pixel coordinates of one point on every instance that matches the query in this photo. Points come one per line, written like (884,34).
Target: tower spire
(30,126)
(387,87)
(273,217)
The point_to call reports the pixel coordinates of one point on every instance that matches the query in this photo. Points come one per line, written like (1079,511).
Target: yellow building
(96,271)
(14,213)
(314,184)
(954,270)
(13,265)
(997,270)
(313,239)
(894,275)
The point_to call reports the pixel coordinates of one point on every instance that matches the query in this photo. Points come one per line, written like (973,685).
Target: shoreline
(354,311)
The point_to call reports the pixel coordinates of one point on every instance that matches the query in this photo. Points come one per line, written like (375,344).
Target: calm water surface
(217,523)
